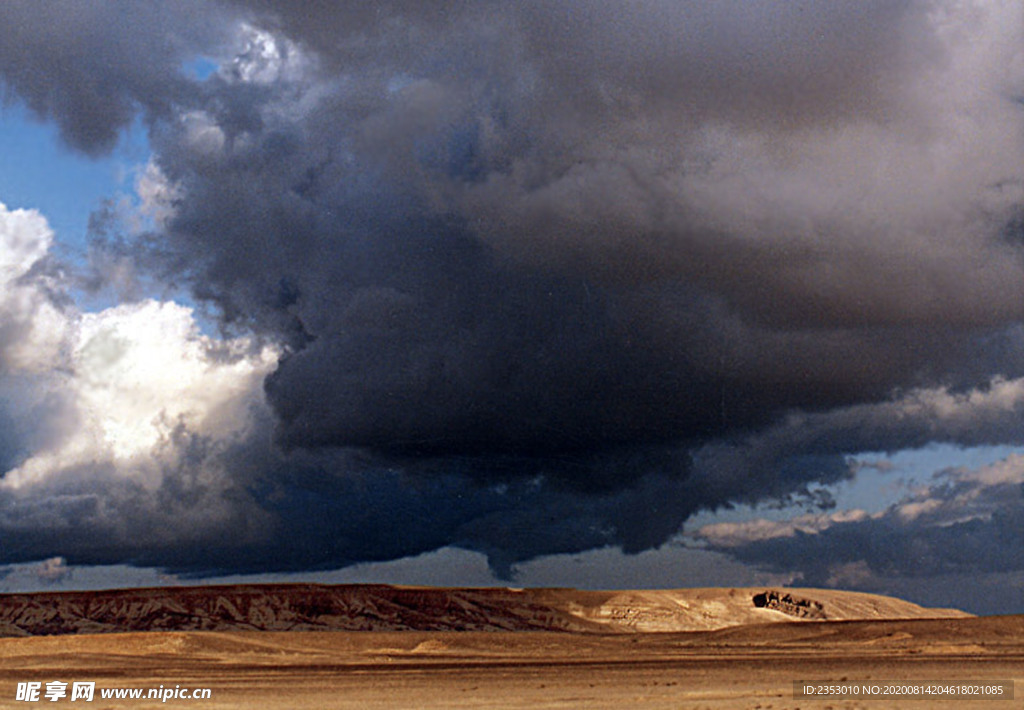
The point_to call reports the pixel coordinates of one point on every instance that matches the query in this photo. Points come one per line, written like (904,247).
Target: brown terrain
(306,646)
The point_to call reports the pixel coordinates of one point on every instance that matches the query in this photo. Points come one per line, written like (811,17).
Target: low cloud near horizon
(518,280)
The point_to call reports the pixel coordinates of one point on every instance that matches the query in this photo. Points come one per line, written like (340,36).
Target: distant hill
(310,607)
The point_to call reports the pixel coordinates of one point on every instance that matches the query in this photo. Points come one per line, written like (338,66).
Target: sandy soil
(740,667)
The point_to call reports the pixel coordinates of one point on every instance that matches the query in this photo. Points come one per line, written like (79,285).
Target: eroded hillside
(297,607)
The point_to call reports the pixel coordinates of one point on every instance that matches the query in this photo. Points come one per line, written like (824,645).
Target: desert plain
(725,648)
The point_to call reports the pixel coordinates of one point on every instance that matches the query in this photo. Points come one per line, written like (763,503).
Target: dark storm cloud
(251,509)
(552,277)
(471,257)
(92,66)
(818,446)
(10,442)
(343,508)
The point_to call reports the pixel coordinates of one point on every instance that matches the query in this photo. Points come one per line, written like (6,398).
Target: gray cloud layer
(551,277)
(965,522)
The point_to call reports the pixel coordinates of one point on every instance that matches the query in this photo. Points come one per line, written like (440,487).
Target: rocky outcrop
(788,604)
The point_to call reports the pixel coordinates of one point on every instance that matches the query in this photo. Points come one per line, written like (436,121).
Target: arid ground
(750,665)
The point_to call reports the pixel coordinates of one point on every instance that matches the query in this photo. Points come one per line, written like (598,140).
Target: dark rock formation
(788,604)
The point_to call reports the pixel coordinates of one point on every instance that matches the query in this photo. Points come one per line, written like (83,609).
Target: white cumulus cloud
(138,372)
(31,325)
(116,384)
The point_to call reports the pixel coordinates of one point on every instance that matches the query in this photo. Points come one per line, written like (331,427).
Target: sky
(662,294)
